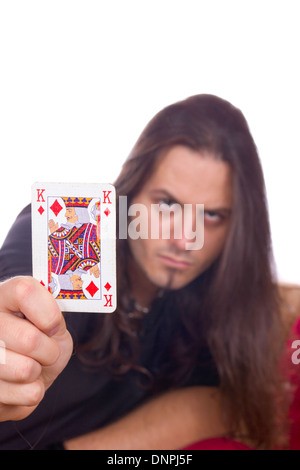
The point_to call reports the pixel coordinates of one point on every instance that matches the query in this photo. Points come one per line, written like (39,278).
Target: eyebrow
(162,192)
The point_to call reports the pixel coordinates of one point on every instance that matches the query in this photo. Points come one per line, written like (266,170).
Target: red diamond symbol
(41,210)
(56,207)
(107,212)
(107,286)
(42,283)
(92,289)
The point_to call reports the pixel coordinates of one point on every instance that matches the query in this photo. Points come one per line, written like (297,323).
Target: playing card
(73,244)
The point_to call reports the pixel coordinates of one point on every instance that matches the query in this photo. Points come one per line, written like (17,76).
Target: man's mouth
(174,262)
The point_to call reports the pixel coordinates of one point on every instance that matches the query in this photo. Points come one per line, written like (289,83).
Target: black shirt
(83,399)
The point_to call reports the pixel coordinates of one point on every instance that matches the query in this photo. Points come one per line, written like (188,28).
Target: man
(190,322)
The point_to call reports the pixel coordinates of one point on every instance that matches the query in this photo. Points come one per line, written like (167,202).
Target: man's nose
(181,243)
(187,232)
(182,231)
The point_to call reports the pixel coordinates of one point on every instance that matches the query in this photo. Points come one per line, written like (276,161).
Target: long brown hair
(233,307)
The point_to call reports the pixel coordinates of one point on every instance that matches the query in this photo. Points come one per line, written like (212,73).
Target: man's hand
(36,345)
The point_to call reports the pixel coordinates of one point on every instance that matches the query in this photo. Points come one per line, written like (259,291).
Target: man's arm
(172,421)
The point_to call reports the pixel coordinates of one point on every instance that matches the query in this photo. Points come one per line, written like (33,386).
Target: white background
(79,80)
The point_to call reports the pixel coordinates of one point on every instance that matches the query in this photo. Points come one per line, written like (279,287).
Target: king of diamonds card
(73,237)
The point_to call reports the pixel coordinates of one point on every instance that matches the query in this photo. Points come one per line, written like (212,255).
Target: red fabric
(220,443)
(295,381)
(217,443)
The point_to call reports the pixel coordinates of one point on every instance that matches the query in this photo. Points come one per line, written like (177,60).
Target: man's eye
(168,205)
(165,201)
(212,216)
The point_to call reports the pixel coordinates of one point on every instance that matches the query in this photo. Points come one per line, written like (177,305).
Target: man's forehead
(192,176)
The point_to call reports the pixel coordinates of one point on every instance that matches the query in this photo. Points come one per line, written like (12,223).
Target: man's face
(184,176)
(71,215)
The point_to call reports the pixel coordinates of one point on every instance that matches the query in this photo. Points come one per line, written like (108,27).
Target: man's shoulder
(15,253)
(22,222)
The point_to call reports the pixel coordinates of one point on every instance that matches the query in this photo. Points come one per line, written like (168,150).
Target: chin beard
(169,284)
